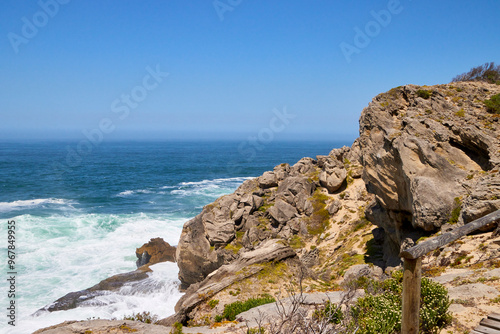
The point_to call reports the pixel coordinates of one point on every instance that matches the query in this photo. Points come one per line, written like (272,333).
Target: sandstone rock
(103,326)
(75,299)
(476,290)
(333,207)
(195,257)
(419,156)
(156,250)
(303,166)
(366,270)
(333,180)
(268,180)
(281,171)
(270,250)
(282,212)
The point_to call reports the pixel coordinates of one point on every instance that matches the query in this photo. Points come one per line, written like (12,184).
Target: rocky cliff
(428,157)
(427,160)
(431,157)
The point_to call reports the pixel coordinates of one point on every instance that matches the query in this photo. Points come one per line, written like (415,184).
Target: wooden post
(412,275)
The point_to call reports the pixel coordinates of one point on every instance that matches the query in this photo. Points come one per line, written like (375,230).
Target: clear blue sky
(227,70)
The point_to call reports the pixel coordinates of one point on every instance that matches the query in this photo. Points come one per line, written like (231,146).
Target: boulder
(282,212)
(425,159)
(195,255)
(268,180)
(333,179)
(156,250)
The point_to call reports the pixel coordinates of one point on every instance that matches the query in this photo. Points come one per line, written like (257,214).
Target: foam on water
(32,203)
(60,254)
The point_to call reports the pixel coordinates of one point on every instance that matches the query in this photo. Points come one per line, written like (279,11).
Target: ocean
(80,213)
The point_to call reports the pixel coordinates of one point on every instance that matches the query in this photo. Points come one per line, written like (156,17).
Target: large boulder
(156,250)
(428,160)
(282,212)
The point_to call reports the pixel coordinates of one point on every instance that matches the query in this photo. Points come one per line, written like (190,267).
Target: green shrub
(381,313)
(233,309)
(177,328)
(145,317)
(488,72)
(493,104)
(213,303)
(455,213)
(330,312)
(434,307)
(425,94)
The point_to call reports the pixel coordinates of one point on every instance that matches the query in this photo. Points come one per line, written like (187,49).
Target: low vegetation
(489,72)
(493,104)
(425,94)
(233,309)
(145,317)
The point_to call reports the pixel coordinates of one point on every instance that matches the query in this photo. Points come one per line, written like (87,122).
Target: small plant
(145,317)
(213,303)
(493,104)
(455,213)
(177,328)
(296,242)
(331,312)
(460,113)
(233,309)
(255,331)
(425,94)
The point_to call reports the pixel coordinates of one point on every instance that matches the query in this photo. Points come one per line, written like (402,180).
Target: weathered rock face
(427,158)
(276,205)
(156,250)
(84,297)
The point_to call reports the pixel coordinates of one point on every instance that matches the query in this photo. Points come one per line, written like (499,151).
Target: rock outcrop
(431,156)
(83,297)
(155,251)
(268,222)
(278,204)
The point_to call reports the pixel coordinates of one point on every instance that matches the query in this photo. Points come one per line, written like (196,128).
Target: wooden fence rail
(412,267)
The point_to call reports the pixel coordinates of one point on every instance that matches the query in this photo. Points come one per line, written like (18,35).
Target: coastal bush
(425,94)
(493,104)
(145,317)
(489,72)
(233,309)
(455,213)
(177,328)
(381,313)
(331,312)
(213,303)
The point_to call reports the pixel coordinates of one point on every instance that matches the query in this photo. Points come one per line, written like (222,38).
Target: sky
(225,69)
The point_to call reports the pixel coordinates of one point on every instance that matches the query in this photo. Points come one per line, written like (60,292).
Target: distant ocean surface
(79,221)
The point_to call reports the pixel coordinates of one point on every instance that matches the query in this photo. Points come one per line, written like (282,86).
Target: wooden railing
(412,267)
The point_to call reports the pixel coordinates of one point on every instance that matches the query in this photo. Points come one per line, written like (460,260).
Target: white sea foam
(32,203)
(60,254)
(132,192)
(212,188)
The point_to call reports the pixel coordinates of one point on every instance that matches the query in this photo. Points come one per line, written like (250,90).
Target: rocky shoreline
(427,160)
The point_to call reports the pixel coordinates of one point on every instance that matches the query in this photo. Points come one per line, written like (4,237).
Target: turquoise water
(79,221)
